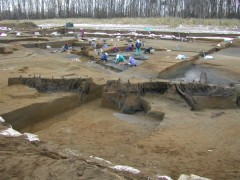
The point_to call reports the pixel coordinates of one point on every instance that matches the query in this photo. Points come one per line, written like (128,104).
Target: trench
(115,120)
(190,71)
(123,97)
(78,91)
(37,112)
(126,100)
(214,76)
(94,119)
(107,121)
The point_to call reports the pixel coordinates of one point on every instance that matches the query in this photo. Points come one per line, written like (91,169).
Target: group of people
(120,59)
(130,47)
(67,47)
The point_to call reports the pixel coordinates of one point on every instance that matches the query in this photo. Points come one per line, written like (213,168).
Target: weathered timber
(195,94)
(203,77)
(79,85)
(188,98)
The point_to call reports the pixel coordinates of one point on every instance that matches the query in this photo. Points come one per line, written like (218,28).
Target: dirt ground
(204,142)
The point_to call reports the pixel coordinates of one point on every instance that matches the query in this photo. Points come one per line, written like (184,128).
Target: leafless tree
(40,9)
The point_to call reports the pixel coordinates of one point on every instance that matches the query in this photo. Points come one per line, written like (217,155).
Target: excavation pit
(213,75)
(78,91)
(116,67)
(153,130)
(124,97)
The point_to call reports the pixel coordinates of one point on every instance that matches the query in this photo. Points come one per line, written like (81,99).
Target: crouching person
(149,50)
(65,47)
(130,47)
(120,59)
(132,62)
(104,57)
(115,49)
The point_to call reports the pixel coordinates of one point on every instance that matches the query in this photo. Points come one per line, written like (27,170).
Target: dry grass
(172,22)
(18,24)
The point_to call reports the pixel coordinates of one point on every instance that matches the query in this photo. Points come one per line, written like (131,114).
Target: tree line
(45,9)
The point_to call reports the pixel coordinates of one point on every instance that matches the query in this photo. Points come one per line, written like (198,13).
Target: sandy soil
(203,142)
(41,160)
(227,59)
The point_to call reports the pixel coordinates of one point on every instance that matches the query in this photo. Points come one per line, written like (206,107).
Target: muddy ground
(203,142)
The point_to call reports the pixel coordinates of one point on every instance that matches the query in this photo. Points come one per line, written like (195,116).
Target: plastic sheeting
(181,56)
(31,137)
(164,178)
(191,177)
(1,119)
(208,57)
(10,132)
(3,34)
(126,168)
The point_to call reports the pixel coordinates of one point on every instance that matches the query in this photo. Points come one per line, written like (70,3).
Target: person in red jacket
(82,33)
(115,49)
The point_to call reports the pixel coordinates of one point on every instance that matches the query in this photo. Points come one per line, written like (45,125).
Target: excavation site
(173,113)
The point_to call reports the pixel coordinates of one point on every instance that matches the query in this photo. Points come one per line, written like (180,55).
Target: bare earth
(204,142)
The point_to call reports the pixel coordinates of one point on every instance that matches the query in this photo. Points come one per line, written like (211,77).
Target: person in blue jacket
(130,47)
(104,57)
(120,59)
(138,47)
(132,62)
(65,47)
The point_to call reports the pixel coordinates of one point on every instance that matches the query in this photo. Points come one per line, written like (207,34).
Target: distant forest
(45,9)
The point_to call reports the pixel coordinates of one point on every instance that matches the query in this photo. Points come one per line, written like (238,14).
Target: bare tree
(22,9)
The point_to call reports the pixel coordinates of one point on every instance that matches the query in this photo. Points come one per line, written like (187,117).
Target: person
(82,33)
(66,47)
(138,47)
(105,46)
(93,44)
(132,61)
(115,49)
(148,50)
(120,59)
(130,47)
(104,57)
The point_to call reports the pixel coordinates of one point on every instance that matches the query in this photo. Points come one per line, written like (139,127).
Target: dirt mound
(21,159)
(236,43)
(4,50)
(18,24)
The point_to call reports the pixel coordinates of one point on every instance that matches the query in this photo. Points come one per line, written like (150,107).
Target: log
(188,98)
(203,78)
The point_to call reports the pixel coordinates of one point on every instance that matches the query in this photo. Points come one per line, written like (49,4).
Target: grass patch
(18,24)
